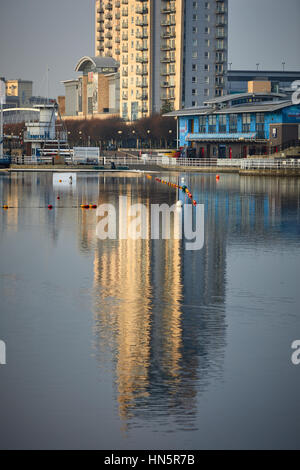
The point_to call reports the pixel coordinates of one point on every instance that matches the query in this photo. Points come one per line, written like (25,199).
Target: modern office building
(172,54)
(235,126)
(19,91)
(281,81)
(96,92)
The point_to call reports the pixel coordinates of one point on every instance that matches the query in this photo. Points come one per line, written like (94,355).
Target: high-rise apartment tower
(172,53)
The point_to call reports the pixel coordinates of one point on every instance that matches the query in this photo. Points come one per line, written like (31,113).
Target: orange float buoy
(50,207)
(217,177)
(58,198)
(94,206)
(5,207)
(194,203)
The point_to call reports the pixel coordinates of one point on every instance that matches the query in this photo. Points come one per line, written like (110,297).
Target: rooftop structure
(96,92)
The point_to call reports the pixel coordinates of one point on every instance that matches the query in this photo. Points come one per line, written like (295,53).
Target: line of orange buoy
(50,207)
(88,206)
(176,186)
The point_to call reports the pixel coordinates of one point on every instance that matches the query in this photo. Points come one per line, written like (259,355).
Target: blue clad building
(235,126)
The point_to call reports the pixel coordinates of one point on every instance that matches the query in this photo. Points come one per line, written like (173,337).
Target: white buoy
(179,203)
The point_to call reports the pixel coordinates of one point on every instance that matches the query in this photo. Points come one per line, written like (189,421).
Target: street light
(170,133)
(148,132)
(120,137)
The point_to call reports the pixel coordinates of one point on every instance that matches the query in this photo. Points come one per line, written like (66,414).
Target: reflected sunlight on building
(123,281)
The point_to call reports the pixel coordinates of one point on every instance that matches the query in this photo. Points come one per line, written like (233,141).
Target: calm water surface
(142,344)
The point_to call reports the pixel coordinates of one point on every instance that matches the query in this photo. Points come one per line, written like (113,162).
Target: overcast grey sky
(37,33)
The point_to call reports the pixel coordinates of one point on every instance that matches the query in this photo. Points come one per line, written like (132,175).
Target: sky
(40,34)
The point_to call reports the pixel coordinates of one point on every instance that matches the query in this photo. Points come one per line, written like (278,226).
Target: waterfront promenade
(262,166)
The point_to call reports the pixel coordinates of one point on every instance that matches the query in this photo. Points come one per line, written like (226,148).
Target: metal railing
(270,164)
(45,160)
(166,162)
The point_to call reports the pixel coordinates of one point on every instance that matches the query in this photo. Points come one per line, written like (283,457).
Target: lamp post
(120,138)
(137,142)
(149,138)
(283,66)
(170,134)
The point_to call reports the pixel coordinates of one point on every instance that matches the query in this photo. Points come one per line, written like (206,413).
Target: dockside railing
(166,162)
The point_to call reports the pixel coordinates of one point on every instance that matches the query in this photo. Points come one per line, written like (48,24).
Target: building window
(233,120)
(194,79)
(207,5)
(212,124)
(206,92)
(202,124)
(222,123)
(246,122)
(194,67)
(206,67)
(260,125)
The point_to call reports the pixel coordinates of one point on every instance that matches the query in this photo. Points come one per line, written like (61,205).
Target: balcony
(168,34)
(142,60)
(141,47)
(141,22)
(167,84)
(142,35)
(169,8)
(142,10)
(166,59)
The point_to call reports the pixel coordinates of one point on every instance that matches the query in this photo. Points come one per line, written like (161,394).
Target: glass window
(246,122)
(260,125)
(233,119)
(222,123)
(212,123)
(202,124)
